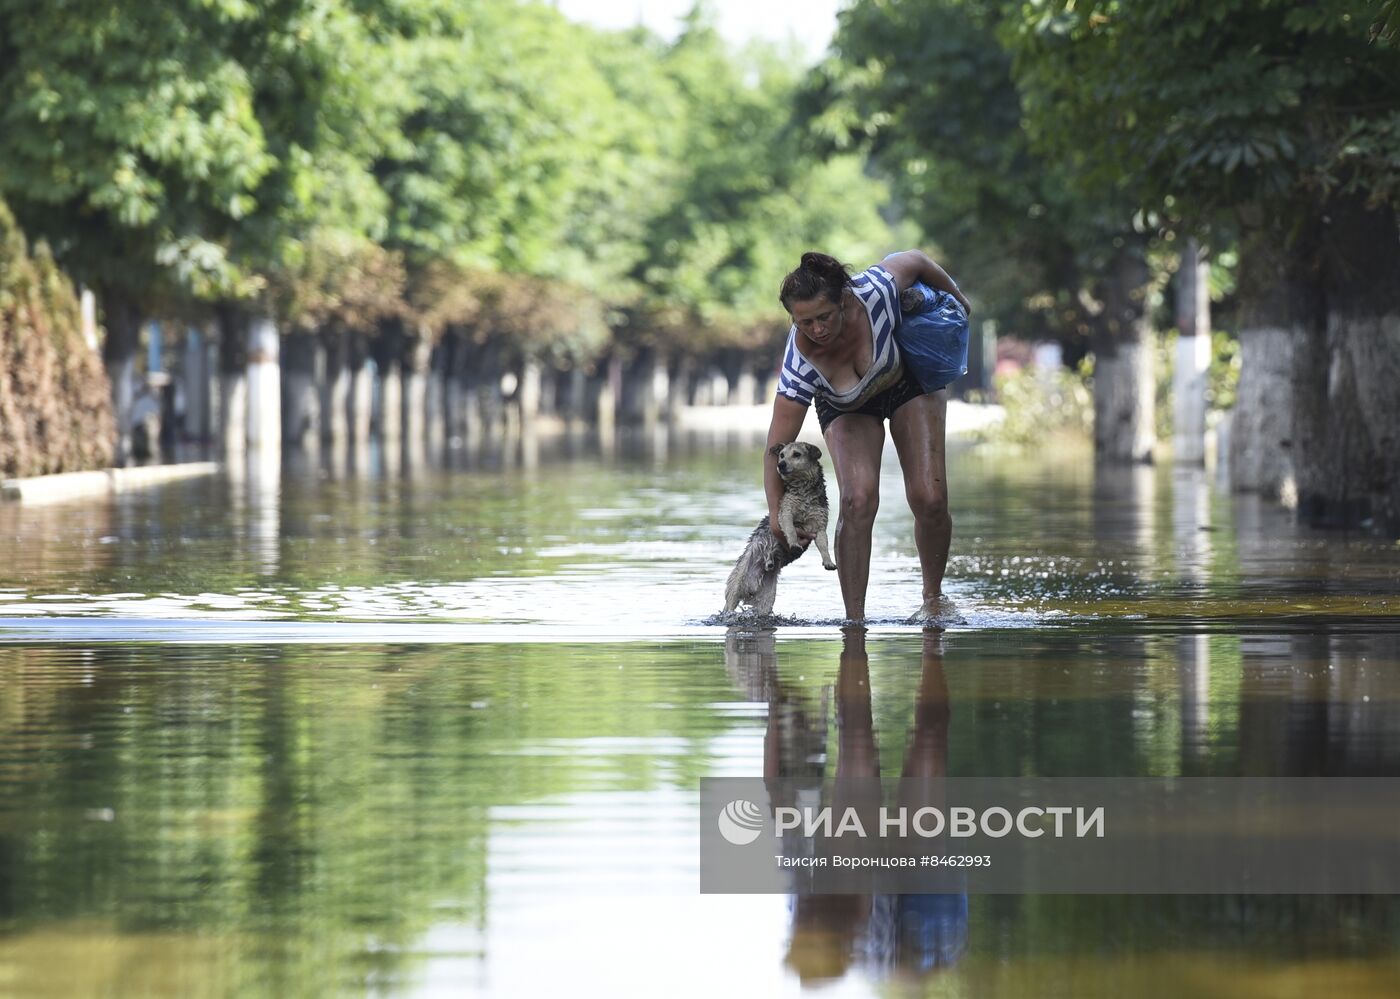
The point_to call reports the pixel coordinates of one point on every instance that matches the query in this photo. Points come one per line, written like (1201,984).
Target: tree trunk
(1280,310)
(414,356)
(1261,431)
(576,411)
(1347,425)
(435,398)
(387,349)
(198,384)
(1124,389)
(454,399)
(360,400)
(264,385)
(746,389)
(528,395)
(552,383)
(1192,356)
(232,409)
(119,357)
(653,386)
(335,387)
(608,381)
(1318,418)
(469,413)
(682,384)
(487,390)
(301,402)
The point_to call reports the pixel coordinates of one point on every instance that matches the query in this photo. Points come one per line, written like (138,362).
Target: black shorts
(881,406)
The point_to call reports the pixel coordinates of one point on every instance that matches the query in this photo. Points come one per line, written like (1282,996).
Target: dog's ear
(813,452)
(775,449)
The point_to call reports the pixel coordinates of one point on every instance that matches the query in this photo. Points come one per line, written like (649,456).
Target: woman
(842,355)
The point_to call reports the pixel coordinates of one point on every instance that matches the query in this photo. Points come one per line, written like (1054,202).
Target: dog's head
(795,458)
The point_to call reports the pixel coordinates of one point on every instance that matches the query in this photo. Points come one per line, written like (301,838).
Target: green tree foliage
(501,162)
(1202,107)
(1279,119)
(929,89)
(218,150)
(174,147)
(327,98)
(489,129)
(751,197)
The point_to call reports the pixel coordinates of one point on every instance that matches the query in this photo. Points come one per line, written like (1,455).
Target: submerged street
(335,729)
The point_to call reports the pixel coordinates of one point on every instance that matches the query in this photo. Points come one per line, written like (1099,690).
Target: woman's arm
(915,265)
(783,428)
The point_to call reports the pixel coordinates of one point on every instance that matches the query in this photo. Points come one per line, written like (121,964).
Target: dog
(754,579)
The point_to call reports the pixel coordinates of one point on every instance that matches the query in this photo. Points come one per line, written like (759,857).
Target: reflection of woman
(841,355)
(910,932)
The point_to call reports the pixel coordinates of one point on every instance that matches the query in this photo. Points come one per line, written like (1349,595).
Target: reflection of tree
(315,810)
(1314,705)
(323,536)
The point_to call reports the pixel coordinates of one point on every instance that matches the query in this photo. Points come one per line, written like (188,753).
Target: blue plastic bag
(932,339)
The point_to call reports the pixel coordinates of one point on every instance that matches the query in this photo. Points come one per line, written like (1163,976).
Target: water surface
(361,727)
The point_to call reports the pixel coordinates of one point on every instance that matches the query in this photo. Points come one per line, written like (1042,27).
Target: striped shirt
(799,378)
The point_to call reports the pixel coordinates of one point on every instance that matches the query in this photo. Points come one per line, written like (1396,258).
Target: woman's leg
(918,430)
(855,441)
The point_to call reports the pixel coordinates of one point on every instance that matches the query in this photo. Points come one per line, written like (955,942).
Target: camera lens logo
(740,822)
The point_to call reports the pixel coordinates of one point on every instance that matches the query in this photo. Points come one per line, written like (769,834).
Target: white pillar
(123,378)
(360,401)
(335,388)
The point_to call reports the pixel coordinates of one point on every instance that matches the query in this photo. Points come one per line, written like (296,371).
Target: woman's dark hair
(816,275)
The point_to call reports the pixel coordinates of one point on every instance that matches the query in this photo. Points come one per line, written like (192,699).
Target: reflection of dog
(754,579)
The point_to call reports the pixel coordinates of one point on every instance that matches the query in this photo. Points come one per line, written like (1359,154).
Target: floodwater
(378,727)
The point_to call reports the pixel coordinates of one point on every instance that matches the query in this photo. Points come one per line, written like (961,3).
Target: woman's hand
(784,427)
(803,538)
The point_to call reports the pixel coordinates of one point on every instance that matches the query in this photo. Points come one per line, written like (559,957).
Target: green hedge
(55,402)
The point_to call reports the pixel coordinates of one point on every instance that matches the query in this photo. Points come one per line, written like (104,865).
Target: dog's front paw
(828,565)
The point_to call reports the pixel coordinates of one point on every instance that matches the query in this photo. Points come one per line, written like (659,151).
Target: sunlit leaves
(222,149)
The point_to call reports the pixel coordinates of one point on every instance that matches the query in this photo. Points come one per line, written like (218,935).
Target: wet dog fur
(754,578)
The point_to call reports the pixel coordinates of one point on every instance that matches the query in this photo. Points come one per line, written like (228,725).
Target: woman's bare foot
(938,612)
